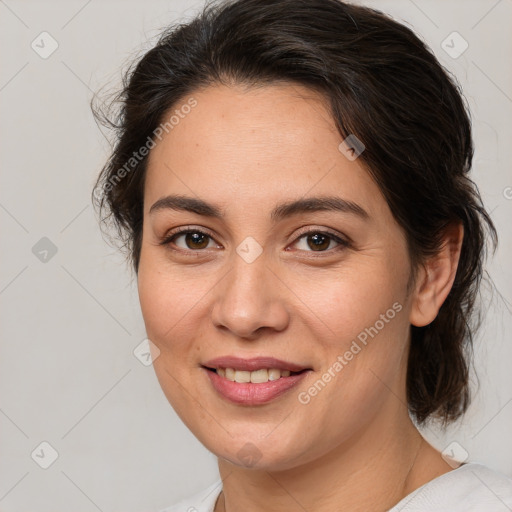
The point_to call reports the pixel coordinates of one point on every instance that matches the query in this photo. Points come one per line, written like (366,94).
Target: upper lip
(252,364)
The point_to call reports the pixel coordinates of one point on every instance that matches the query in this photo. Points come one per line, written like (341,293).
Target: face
(322,290)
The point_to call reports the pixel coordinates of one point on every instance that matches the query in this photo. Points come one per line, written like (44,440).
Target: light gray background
(69,326)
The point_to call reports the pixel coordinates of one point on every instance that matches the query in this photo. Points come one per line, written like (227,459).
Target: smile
(253,388)
(256,377)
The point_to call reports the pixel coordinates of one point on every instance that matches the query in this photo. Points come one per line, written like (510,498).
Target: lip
(253,364)
(249,393)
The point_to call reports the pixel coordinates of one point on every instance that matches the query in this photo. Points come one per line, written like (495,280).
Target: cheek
(348,300)
(168,308)
(154,297)
(362,336)
(166,298)
(363,373)
(176,311)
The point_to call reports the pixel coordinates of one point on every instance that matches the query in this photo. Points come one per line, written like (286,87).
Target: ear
(435,278)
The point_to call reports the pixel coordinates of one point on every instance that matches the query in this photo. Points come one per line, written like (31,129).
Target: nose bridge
(246,300)
(245,285)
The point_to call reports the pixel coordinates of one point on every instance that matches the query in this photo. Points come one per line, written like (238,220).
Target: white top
(471,487)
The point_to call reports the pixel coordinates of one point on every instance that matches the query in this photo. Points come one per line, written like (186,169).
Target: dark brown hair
(384,86)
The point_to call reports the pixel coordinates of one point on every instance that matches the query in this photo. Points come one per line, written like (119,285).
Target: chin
(257,455)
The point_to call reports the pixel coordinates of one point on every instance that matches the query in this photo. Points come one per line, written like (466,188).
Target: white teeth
(274,374)
(242,376)
(256,376)
(259,376)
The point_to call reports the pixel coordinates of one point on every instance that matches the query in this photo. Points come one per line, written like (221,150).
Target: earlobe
(435,278)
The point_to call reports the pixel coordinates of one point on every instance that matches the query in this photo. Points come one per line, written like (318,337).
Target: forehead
(267,144)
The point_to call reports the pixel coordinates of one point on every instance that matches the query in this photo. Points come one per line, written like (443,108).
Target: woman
(291,181)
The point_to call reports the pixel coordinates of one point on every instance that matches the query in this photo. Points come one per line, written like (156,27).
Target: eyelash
(168,239)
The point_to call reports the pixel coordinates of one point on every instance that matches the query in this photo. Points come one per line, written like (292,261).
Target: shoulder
(470,488)
(203,501)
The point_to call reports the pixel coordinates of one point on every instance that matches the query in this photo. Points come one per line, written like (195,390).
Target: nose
(250,300)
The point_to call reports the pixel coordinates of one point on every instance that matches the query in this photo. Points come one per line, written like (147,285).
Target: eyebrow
(281,211)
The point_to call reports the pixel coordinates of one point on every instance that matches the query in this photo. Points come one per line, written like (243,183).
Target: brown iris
(197,240)
(319,241)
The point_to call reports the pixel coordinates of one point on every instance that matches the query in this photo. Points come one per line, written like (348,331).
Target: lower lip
(249,393)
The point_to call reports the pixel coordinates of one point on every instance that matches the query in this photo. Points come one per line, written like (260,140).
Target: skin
(246,150)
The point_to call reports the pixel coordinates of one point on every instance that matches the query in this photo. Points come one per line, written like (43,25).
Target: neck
(371,472)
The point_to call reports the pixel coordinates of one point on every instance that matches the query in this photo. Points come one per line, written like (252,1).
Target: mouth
(256,376)
(253,381)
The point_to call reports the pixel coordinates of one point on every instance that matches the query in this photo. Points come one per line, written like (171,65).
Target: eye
(193,239)
(319,241)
